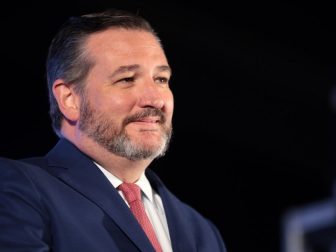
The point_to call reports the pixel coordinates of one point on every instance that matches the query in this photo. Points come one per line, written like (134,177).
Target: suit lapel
(178,224)
(79,172)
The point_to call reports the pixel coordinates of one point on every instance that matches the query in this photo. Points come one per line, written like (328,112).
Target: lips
(148,120)
(148,116)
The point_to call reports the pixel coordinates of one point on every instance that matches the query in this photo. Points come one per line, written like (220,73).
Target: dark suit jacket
(63,203)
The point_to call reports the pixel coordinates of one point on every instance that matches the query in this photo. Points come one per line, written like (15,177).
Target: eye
(126,80)
(162,80)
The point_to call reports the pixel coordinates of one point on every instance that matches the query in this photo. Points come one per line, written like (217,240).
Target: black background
(252,123)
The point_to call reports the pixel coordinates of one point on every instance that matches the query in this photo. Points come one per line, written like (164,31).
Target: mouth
(148,120)
(147,123)
(149,117)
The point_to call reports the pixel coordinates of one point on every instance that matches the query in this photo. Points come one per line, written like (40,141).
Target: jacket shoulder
(39,161)
(13,163)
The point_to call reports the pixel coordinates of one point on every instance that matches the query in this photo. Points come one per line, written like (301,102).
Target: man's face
(127,107)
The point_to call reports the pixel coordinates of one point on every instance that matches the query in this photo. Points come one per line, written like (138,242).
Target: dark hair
(67,58)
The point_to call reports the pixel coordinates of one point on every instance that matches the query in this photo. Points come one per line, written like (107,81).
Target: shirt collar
(142,182)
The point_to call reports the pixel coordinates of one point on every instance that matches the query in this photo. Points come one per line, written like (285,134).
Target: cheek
(115,103)
(170,104)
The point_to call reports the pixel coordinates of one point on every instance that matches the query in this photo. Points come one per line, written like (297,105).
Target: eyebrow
(164,68)
(124,69)
(130,68)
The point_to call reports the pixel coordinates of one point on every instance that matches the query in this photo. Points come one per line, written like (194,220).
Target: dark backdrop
(252,118)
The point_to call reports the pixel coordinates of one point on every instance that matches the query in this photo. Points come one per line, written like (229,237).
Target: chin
(153,146)
(149,142)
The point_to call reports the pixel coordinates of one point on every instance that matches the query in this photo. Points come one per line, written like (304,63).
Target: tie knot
(131,191)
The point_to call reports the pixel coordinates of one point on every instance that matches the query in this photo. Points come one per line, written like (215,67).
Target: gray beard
(102,130)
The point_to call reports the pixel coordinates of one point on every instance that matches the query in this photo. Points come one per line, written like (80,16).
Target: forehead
(117,42)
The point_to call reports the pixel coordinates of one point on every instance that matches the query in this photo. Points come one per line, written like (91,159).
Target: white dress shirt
(153,206)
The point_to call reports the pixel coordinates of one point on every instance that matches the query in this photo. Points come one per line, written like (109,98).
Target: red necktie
(132,194)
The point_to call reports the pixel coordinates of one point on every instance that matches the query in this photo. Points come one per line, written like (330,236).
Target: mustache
(145,113)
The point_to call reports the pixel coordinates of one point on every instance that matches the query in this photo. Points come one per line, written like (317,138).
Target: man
(111,106)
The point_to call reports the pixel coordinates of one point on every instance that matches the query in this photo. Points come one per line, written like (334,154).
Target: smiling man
(124,112)
(111,106)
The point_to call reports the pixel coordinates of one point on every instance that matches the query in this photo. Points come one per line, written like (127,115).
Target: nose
(151,96)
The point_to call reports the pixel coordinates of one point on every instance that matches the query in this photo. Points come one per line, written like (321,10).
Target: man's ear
(67,99)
